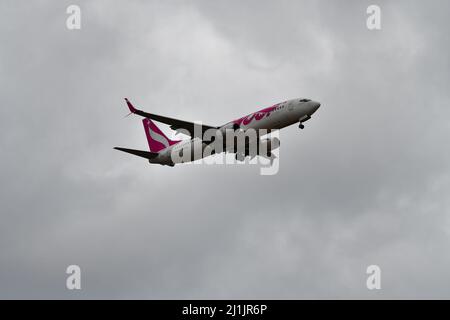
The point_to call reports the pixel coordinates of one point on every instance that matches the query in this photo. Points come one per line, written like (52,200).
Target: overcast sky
(367,181)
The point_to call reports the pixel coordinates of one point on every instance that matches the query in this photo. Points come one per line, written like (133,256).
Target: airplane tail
(157,140)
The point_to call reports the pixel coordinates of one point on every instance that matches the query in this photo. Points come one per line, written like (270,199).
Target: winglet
(130,106)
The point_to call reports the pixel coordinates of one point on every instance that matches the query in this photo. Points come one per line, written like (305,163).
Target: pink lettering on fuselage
(258,115)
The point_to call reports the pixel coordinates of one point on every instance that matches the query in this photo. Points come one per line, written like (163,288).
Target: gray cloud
(364,183)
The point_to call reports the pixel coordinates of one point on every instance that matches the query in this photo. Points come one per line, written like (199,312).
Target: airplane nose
(315,106)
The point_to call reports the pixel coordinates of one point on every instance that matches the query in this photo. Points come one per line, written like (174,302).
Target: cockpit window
(305,100)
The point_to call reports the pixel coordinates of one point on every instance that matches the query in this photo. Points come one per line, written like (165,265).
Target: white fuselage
(276,117)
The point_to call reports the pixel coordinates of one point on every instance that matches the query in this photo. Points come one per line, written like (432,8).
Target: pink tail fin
(157,140)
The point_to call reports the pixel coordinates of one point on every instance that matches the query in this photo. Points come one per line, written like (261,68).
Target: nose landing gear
(303,119)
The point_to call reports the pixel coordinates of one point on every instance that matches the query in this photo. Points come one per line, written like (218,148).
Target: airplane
(275,117)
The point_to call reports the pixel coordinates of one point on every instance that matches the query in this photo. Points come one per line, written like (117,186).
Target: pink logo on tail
(157,140)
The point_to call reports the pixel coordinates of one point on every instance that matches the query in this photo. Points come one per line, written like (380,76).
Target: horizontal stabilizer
(139,153)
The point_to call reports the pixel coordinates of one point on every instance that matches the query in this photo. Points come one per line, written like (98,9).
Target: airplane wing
(175,124)
(139,153)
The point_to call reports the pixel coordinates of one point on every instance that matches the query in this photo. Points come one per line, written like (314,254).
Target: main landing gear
(301,126)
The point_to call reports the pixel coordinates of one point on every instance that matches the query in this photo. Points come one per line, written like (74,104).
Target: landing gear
(303,119)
